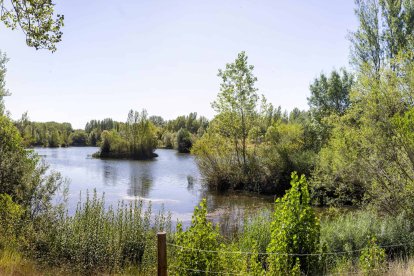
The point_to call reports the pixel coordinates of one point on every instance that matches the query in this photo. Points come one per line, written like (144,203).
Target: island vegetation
(353,147)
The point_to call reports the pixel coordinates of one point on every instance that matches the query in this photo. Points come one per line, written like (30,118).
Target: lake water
(171,181)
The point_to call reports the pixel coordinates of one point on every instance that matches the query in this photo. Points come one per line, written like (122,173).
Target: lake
(171,181)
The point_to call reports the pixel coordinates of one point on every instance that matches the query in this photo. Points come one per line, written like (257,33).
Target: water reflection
(172,180)
(109,174)
(230,210)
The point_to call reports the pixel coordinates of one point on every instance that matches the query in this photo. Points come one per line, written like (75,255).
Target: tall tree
(37,20)
(385,31)
(236,104)
(329,96)
(3,91)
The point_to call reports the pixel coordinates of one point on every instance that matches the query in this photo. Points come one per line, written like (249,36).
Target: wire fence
(174,249)
(282,254)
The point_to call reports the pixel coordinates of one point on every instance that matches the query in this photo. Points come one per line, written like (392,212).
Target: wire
(276,253)
(197,270)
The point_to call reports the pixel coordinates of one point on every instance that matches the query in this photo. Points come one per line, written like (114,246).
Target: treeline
(179,133)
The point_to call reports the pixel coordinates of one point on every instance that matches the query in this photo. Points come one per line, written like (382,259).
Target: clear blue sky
(164,55)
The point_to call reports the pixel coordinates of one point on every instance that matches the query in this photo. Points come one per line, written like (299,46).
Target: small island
(135,139)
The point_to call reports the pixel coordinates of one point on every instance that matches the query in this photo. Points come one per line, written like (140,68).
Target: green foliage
(3,91)
(135,139)
(247,147)
(329,96)
(22,173)
(295,230)
(99,239)
(369,156)
(200,235)
(236,104)
(385,30)
(184,141)
(78,138)
(351,232)
(36,19)
(48,134)
(11,215)
(168,140)
(373,259)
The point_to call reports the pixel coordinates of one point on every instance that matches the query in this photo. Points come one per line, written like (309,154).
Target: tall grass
(98,239)
(353,230)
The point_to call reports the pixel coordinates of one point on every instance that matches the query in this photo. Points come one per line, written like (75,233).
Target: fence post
(162,253)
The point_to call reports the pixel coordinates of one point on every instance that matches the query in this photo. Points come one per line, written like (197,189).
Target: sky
(163,56)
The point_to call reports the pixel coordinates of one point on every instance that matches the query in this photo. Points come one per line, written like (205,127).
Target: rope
(276,253)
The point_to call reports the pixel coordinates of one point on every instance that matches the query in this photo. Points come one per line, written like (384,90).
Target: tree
(329,96)
(3,91)
(236,103)
(184,142)
(370,156)
(385,31)
(37,20)
(23,176)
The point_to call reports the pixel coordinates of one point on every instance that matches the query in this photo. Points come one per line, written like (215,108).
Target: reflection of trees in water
(110,174)
(141,179)
(231,209)
(190,183)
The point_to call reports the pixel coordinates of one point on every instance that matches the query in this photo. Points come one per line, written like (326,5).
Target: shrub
(10,221)
(201,235)
(184,142)
(295,230)
(372,259)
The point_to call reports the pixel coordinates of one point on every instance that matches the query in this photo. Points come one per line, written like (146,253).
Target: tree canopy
(36,18)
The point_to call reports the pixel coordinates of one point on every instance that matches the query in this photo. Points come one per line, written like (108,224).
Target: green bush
(184,142)
(372,259)
(295,230)
(201,235)
(11,215)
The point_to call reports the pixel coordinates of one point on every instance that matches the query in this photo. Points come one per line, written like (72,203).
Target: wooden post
(162,253)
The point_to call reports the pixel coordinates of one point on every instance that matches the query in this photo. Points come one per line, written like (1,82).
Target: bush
(372,259)
(11,215)
(184,142)
(201,235)
(295,230)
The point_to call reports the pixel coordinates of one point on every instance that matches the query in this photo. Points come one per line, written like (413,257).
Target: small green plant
(373,259)
(10,219)
(199,245)
(295,232)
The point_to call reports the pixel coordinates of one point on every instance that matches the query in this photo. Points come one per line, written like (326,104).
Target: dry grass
(401,268)
(12,263)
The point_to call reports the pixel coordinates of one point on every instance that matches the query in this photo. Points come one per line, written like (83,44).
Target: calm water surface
(172,180)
